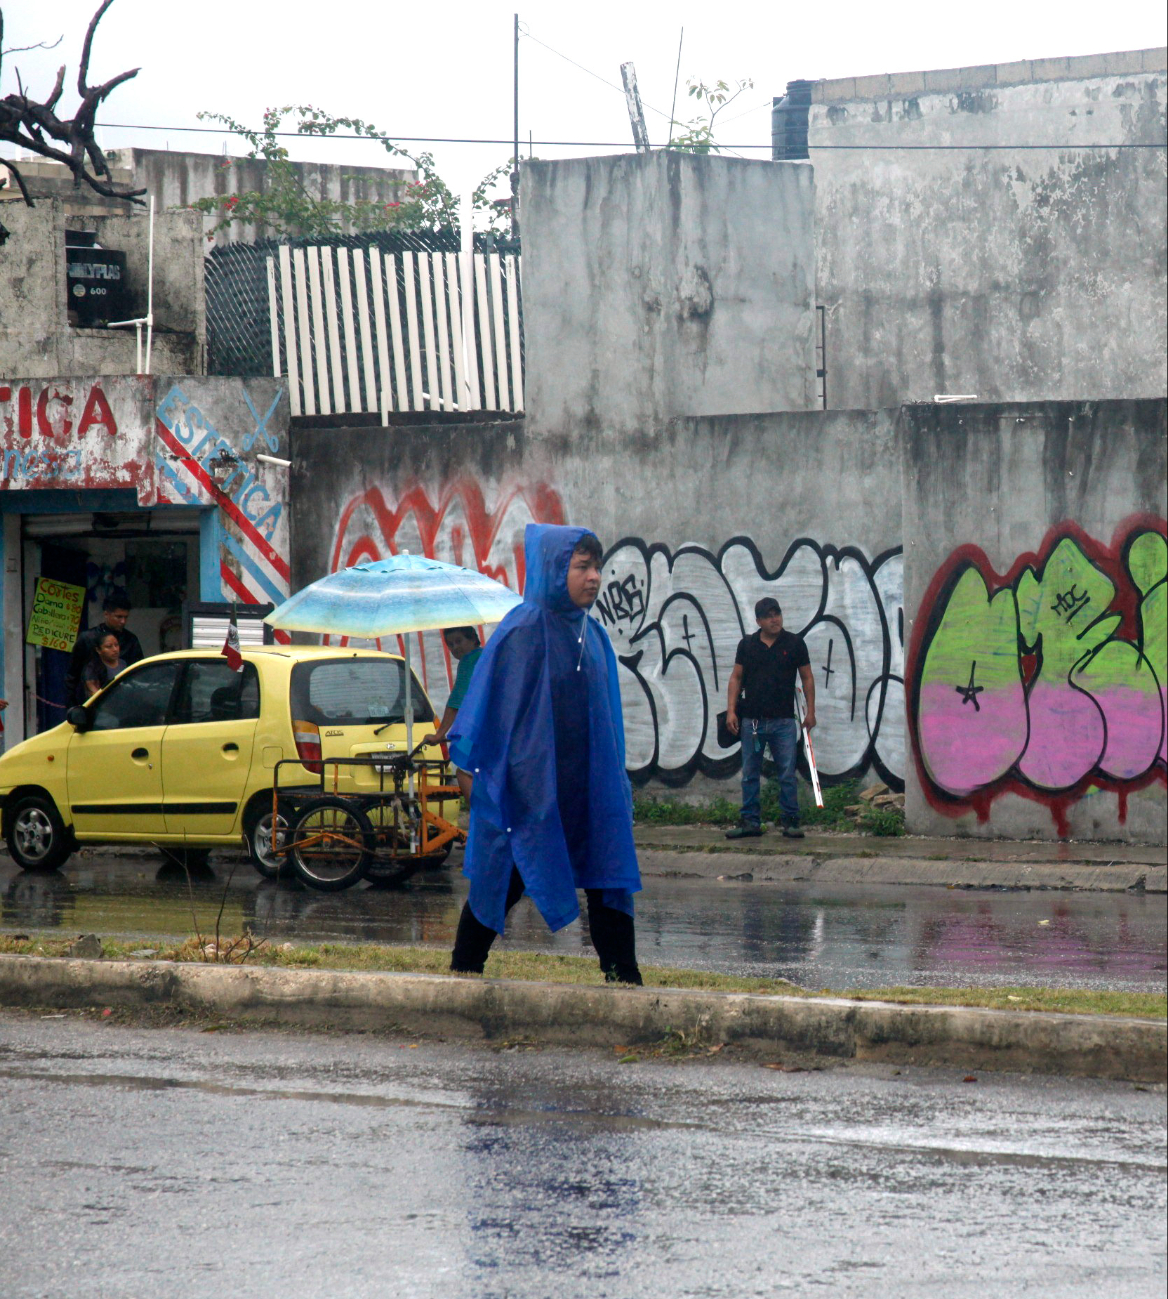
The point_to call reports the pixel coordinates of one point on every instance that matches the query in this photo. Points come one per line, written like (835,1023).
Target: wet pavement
(821,936)
(170,1161)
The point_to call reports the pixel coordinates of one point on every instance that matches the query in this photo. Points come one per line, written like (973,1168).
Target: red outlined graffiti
(1046,681)
(456,525)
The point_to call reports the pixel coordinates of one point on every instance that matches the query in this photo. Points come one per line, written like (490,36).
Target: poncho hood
(542,733)
(548,550)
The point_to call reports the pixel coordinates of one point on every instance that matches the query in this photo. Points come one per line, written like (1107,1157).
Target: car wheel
(270,864)
(331,844)
(37,838)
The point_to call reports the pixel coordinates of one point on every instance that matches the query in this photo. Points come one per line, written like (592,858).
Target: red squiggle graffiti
(1046,681)
(457,526)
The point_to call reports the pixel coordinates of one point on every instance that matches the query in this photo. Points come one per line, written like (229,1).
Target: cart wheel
(331,844)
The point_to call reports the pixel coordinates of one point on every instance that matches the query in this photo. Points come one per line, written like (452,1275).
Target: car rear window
(355,692)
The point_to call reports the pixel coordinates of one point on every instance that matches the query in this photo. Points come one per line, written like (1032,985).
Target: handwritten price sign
(56,614)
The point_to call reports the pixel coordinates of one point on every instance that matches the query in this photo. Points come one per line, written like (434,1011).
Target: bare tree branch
(40,45)
(70,141)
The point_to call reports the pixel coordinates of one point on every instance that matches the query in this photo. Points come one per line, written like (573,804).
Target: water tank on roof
(95,280)
(789,117)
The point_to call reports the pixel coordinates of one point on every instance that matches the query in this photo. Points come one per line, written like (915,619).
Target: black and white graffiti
(675,621)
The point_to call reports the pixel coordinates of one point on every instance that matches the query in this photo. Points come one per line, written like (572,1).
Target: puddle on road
(815,935)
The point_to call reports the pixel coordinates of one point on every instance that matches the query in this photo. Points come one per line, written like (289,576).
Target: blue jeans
(782,734)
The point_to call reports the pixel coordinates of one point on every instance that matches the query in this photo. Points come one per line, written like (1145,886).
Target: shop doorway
(153,555)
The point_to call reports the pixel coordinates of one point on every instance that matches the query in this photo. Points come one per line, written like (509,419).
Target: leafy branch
(285,206)
(697,135)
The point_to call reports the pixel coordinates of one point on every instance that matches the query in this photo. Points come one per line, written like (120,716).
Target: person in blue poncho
(541,732)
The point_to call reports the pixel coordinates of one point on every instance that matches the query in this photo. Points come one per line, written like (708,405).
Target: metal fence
(371,323)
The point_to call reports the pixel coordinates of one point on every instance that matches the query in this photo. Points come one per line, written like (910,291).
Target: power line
(610,84)
(624,144)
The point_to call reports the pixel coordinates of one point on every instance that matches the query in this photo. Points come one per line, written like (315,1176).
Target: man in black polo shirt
(761,709)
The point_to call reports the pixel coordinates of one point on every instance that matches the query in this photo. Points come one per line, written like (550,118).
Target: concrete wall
(177,179)
(662,285)
(699,518)
(1015,274)
(1035,567)
(862,524)
(36,339)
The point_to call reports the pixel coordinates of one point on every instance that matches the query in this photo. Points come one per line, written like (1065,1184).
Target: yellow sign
(56,614)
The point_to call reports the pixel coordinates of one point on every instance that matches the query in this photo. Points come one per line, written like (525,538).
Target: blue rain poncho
(542,734)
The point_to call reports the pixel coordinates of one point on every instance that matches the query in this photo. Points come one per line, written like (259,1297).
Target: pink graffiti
(1047,680)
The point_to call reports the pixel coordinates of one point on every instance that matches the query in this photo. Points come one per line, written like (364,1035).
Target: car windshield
(355,692)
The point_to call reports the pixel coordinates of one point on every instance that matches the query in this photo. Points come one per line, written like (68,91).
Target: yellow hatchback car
(180,751)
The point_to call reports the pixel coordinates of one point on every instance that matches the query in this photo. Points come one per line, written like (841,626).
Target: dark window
(212,692)
(355,692)
(140,697)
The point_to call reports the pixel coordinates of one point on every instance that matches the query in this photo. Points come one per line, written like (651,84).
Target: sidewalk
(827,857)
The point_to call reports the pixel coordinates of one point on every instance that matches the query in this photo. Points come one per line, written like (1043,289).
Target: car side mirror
(78,718)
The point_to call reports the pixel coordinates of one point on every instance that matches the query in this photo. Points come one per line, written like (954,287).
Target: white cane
(809,748)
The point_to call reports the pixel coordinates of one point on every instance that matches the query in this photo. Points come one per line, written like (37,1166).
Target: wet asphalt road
(819,936)
(142,1162)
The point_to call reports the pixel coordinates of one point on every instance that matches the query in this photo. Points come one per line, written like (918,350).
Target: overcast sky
(446,69)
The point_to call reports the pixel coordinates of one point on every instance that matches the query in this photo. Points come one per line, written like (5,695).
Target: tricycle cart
(333,838)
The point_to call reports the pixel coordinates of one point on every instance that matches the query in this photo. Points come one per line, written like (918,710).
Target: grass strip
(548,968)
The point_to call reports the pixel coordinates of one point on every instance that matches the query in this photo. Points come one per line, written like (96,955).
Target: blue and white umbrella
(392,597)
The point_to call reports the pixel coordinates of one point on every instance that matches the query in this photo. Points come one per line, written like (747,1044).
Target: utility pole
(636,112)
(515,139)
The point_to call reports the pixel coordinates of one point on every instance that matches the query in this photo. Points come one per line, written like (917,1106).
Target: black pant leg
(614,938)
(472,942)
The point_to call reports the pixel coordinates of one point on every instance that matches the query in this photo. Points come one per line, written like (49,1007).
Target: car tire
(37,837)
(258,835)
(332,844)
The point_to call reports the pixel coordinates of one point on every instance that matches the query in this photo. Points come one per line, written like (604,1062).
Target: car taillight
(307,737)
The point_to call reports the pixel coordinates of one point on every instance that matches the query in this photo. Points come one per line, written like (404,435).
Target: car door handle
(230,748)
(139,753)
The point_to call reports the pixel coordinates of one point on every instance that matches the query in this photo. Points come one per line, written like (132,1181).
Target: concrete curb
(1095,1046)
(1113,877)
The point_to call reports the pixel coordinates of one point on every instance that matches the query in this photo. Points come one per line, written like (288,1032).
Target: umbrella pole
(410,732)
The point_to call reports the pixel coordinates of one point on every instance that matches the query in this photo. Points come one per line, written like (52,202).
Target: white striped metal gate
(357,330)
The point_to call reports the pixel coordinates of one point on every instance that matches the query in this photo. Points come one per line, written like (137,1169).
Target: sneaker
(744,831)
(791,830)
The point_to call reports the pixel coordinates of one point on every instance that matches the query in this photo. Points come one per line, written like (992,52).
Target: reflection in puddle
(820,936)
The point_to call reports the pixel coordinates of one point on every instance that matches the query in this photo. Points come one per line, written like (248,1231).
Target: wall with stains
(1037,654)
(951,262)
(664,284)
(36,339)
(982,589)
(699,519)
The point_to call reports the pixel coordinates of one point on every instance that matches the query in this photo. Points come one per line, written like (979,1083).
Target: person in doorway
(466,649)
(542,734)
(115,614)
(761,710)
(105,664)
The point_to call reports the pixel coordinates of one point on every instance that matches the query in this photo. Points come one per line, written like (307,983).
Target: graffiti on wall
(1048,680)
(455,524)
(675,620)
(197,465)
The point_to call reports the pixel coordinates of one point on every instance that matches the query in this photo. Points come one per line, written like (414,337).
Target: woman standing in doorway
(105,664)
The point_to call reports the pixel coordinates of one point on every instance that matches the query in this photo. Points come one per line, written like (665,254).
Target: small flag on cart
(230,650)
